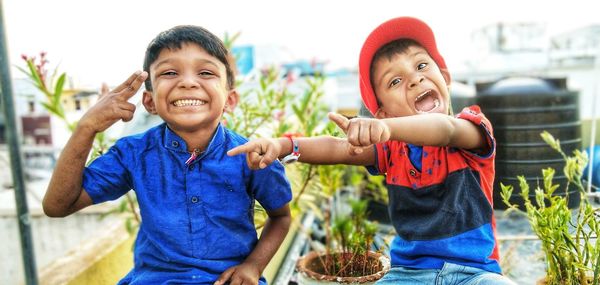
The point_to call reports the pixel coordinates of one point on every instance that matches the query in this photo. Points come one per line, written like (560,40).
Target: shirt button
(175,143)
(194,199)
(413,173)
(191,167)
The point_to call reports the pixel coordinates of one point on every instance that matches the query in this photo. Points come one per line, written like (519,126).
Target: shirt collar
(174,142)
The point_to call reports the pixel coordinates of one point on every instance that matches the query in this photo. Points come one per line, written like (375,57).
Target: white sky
(104,41)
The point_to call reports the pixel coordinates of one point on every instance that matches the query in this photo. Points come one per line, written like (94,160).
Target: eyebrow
(412,55)
(202,61)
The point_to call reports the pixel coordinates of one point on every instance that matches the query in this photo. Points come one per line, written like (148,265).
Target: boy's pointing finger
(339,120)
(245,148)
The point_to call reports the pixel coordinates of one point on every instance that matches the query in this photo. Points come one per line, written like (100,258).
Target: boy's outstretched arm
(65,194)
(314,150)
(422,129)
(275,230)
(437,130)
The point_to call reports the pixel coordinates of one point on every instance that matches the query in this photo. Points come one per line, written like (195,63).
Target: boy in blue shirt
(196,202)
(439,168)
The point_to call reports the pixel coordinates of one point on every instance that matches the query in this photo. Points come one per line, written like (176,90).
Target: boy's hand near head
(113,106)
(65,194)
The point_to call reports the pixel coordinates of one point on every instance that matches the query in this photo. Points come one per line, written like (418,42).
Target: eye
(395,82)
(421,66)
(206,73)
(168,73)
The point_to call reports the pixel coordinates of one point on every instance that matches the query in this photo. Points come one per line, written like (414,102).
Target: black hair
(388,51)
(175,37)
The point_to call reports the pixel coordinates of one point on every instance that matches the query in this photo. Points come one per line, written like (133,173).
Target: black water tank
(461,95)
(520,109)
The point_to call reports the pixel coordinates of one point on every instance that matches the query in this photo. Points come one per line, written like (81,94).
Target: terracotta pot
(307,276)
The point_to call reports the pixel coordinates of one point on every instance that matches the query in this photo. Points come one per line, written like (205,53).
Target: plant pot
(309,264)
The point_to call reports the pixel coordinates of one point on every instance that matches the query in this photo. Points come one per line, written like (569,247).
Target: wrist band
(292,157)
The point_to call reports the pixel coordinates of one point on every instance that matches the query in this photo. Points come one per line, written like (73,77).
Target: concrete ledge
(102,260)
(109,257)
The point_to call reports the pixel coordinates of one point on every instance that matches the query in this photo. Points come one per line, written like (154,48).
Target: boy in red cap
(439,168)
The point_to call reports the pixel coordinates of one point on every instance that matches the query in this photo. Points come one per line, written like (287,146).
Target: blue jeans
(450,274)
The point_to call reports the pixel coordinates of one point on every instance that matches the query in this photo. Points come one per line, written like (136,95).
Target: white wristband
(292,157)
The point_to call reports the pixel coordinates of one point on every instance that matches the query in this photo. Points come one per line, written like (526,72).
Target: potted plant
(568,238)
(347,257)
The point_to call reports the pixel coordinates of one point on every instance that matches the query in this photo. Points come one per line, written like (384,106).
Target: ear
(148,102)
(446,76)
(381,114)
(232,100)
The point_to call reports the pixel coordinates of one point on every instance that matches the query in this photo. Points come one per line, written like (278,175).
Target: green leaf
(549,139)
(123,206)
(539,198)
(58,89)
(129,226)
(506,193)
(33,74)
(524,187)
(29,75)
(548,174)
(228,41)
(48,107)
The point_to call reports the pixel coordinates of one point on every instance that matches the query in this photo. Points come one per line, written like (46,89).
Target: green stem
(597,270)
(309,177)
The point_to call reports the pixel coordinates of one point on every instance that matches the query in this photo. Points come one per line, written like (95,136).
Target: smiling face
(189,89)
(409,83)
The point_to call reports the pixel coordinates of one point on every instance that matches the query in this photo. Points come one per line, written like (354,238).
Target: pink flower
(290,77)
(278,115)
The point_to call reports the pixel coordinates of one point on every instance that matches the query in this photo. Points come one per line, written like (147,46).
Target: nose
(416,80)
(188,81)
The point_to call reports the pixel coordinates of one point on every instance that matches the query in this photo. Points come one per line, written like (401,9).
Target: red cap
(394,29)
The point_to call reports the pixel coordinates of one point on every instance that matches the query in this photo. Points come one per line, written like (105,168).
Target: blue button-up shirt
(197,219)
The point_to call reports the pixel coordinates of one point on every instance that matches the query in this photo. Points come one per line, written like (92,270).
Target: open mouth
(188,102)
(426,102)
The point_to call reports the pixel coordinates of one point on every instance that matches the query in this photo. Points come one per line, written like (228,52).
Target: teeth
(422,95)
(188,102)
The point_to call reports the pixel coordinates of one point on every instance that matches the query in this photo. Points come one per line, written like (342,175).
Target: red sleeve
(382,156)
(473,114)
